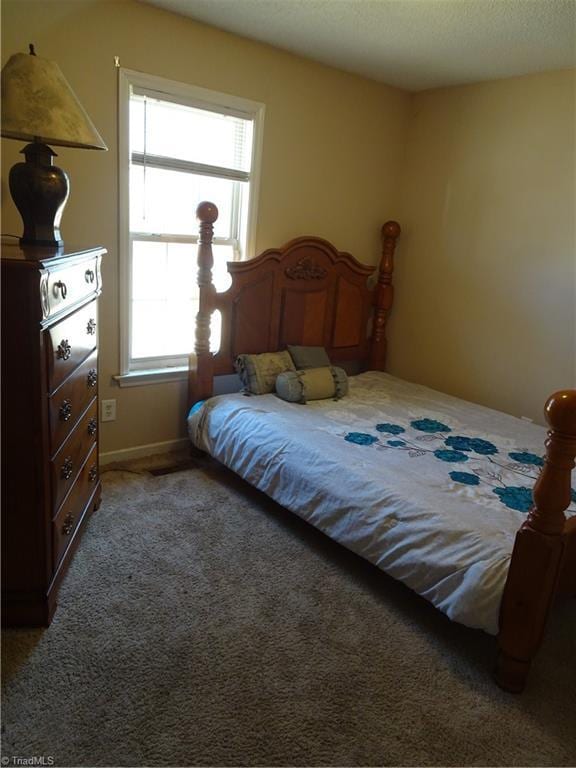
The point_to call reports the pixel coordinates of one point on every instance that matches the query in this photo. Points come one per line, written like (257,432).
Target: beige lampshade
(38,104)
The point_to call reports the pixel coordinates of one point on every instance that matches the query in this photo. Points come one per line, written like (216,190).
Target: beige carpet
(201,625)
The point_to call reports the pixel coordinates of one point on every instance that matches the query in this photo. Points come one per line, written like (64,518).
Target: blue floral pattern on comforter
(456,449)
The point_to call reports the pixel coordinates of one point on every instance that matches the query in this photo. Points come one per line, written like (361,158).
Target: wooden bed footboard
(306,292)
(543,563)
(567,577)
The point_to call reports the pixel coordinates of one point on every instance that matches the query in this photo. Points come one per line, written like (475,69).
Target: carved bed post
(201,363)
(384,296)
(538,550)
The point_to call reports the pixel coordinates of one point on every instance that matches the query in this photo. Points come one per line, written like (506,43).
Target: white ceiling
(412,44)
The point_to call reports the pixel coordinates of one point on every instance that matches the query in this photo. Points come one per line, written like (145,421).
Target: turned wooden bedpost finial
(552,492)
(201,369)
(538,549)
(384,295)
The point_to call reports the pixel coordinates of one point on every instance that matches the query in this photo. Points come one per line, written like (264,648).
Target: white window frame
(144,371)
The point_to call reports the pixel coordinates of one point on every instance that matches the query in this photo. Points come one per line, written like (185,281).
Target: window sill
(152,376)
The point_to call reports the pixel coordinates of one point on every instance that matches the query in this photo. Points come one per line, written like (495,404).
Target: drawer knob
(91,327)
(65,410)
(93,474)
(60,286)
(92,377)
(92,427)
(68,525)
(89,276)
(66,469)
(64,350)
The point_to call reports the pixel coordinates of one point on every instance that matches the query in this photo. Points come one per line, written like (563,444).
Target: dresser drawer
(69,342)
(72,511)
(69,403)
(69,285)
(65,466)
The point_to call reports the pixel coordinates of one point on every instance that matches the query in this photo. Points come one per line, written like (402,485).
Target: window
(179,145)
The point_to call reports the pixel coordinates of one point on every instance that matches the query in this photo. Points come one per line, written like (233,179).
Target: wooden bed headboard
(306,292)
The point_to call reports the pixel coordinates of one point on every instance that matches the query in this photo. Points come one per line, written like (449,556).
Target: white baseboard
(138,451)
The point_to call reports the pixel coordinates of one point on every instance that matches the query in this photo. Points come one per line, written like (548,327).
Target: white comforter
(429,488)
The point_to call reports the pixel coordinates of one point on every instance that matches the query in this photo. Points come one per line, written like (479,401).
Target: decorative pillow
(312,384)
(258,372)
(308,357)
(340,380)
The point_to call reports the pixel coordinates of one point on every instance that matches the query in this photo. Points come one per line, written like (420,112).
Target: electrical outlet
(108,410)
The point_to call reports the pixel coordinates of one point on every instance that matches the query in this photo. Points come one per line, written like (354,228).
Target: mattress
(427,487)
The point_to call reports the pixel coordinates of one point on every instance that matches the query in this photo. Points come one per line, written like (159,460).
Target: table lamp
(39,106)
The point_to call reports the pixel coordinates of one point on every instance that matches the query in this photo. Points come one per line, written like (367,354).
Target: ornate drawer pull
(93,474)
(66,469)
(68,525)
(91,327)
(64,350)
(92,377)
(60,286)
(89,276)
(92,427)
(65,410)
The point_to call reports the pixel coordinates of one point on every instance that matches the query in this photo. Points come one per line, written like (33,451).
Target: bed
(457,501)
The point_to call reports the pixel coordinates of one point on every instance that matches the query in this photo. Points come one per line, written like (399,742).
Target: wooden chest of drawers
(50,481)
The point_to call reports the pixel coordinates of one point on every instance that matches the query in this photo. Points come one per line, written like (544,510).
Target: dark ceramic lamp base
(39,190)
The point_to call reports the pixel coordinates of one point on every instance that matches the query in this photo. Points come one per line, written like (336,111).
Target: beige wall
(481,178)
(333,145)
(486,272)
